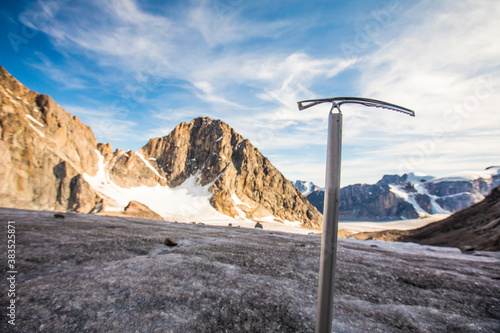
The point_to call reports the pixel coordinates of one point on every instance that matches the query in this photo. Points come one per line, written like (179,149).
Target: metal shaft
(324,311)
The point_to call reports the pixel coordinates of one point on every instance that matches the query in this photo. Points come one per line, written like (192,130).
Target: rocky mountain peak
(203,146)
(53,162)
(306,187)
(244,182)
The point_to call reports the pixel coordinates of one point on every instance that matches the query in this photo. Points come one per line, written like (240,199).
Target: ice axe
(324,309)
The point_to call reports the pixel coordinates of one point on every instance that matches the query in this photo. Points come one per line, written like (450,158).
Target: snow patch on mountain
(185,203)
(37,131)
(237,200)
(418,177)
(34,120)
(306,187)
(410,198)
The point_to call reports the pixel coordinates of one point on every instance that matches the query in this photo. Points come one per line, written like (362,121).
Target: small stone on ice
(170,242)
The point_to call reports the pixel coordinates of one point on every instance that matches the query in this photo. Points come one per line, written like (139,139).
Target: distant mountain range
(203,170)
(306,187)
(410,196)
(473,228)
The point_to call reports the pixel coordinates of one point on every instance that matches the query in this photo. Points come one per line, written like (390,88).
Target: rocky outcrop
(129,169)
(241,178)
(81,194)
(424,201)
(43,149)
(137,210)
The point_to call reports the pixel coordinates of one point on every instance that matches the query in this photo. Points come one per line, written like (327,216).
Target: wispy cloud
(447,69)
(107,125)
(172,65)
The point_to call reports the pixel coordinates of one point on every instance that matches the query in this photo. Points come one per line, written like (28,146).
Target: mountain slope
(44,151)
(412,195)
(476,227)
(202,170)
(244,183)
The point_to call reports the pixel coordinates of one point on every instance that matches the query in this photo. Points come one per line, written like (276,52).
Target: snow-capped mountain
(412,195)
(203,170)
(306,187)
(474,228)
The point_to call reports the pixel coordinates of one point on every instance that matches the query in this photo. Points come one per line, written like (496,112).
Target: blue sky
(133,70)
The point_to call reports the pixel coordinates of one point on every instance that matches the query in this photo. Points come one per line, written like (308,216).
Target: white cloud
(432,59)
(443,63)
(107,124)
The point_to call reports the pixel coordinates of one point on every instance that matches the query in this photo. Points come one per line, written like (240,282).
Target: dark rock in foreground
(89,273)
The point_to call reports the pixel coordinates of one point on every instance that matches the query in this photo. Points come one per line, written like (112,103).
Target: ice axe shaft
(328,259)
(324,311)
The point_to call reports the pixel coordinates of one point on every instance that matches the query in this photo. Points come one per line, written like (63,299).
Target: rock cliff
(51,161)
(244,183)
(373,202)
(44,151)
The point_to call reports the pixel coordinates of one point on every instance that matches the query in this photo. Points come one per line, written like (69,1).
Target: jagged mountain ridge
(474,228)
(245,183)
(53,162)
(242,182)
(412,195)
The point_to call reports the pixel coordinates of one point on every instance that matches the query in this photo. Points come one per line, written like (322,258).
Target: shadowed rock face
(43,149)
(476,227)
(88,273)
(373,202)
(212,150)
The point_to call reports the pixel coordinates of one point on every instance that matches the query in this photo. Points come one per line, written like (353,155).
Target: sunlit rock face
(49,159)
(241,178)
(44,149)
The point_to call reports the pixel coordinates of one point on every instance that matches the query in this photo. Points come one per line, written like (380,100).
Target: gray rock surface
(88,273)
